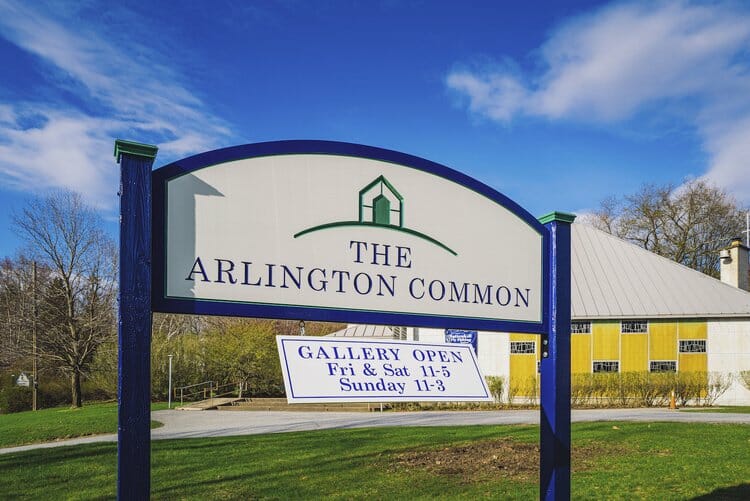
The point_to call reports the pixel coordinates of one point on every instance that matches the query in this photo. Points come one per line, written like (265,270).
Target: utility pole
(169,392)
(34,383)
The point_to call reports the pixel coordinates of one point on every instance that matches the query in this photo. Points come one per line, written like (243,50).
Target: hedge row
(627,389)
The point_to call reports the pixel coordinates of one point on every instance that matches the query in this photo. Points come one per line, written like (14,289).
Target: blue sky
(555,104)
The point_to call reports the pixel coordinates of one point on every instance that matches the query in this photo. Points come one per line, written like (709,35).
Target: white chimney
(734,265)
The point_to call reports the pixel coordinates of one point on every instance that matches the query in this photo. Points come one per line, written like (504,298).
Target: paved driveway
(188,424)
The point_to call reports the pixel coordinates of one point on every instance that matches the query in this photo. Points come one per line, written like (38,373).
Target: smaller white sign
(324,369)
(23,380)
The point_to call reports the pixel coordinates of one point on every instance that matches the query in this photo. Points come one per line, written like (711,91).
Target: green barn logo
(380,203)
(382,206)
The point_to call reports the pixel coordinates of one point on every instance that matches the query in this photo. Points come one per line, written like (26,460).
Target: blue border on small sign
(161,303)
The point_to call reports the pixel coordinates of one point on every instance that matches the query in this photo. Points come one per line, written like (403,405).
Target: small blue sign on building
(460,336)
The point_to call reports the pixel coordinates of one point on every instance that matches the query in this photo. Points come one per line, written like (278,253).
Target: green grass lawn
(63,422)
(736,409)
(611,461)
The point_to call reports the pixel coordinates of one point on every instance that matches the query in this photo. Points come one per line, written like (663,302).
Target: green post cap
(133,148)
(561,217)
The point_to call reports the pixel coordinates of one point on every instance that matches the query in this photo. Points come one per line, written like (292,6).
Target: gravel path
(190,424)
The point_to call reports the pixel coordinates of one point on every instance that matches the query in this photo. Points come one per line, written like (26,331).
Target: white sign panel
(324,369)
(337,232)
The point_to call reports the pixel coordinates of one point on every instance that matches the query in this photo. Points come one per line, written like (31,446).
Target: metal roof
(612,278)
(359,330)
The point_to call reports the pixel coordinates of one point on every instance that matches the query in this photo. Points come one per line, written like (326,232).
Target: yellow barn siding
(662,340)
(634,352)
(607,343)
(693,362)
(523,367)
(522,374)
(693,330)
(606,340)
(524,337)
(580,353)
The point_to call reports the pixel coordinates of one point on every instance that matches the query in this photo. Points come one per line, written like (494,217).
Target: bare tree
(17,310)
(15,307)
(171,324)
(687,224)
(77,307)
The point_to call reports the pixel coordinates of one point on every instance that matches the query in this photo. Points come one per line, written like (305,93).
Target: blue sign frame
(162,303)
(142,269)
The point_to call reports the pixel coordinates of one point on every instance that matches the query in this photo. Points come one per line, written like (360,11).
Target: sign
(313,229)
(324,369)
(461,337)
(23,380)
(342,232)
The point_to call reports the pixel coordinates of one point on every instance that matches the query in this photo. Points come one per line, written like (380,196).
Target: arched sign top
(320,147)
(344,232)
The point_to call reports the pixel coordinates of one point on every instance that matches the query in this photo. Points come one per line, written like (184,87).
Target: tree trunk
(75,388)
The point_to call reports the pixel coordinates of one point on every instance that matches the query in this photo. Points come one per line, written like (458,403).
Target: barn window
(580,327)
(692,346)
(663,366)
(606,366)
(634,326)
(522,347)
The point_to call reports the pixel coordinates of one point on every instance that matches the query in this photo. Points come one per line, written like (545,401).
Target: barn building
(632,311)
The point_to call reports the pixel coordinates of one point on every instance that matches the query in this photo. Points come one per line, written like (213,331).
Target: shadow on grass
(739,492)
(178,467)
(43,457)
(258,476)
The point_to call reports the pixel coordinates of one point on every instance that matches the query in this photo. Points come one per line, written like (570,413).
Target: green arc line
(383,226)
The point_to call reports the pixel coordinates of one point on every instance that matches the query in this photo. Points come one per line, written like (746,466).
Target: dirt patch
(478,461)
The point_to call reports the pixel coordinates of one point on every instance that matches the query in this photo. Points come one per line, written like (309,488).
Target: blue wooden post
(134,325)
(554,454)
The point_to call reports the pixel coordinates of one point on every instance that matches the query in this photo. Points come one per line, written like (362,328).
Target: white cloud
(69,151)
(499,96)
(632,58)
(131,88)
(729,147)
(7,116)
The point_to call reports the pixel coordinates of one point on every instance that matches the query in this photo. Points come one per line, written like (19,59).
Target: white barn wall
(493,349)
(430,335)
(728,352)
(494,353)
